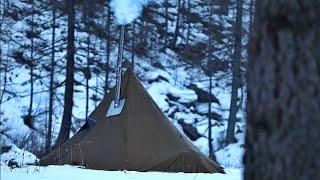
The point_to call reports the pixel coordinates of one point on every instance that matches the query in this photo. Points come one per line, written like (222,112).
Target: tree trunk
(2,15)
(209,73)
(5,70)
(1,22)
(183,22)
(51,91)
(133,45)
(177,29)
(235,74)
(189,24)
(68,96)
(5,6)
(2,61)
(31,66)
(211,153)
(251,16)
(284,92)
(88,73)
(166,24)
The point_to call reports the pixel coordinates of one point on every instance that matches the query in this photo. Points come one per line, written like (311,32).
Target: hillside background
(176,48)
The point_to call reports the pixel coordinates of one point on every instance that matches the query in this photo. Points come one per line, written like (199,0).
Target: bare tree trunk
(51,89)
(68,96)
(251,16)
(31,66)
(166,24)
(235,74)
(3,11)
(177,29)
(2,92)
(145,32)
(4,6)
(209,73)
(189,24)
(133,45)
(211,153)
(4,85)
(88,73)
(31,88)
(282,140)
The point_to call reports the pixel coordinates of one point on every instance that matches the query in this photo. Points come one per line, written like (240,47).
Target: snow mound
(160,90)
(16,156)
(156,73)
(231,156)
(71,172)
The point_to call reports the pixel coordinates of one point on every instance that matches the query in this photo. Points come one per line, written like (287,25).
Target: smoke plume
(127,11)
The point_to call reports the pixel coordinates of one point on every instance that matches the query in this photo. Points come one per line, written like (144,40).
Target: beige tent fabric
(141,138)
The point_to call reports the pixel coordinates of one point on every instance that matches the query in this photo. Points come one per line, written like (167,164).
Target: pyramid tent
(141,138)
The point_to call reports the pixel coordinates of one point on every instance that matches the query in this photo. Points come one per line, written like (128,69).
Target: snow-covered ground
(16,164)
(71,172)
(18,156)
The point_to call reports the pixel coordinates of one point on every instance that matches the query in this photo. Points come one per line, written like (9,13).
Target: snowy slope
(172,82)
(167,84)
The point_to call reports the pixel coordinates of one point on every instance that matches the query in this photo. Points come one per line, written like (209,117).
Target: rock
(190,130)
(204,96)
(5,149)
(172,98)
(212,115)
(158,79)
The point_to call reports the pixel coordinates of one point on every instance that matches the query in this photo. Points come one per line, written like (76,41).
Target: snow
(67,172)
(31,172)
(27,171)
(17,155)
(231,156)
(159,91)
(152,75)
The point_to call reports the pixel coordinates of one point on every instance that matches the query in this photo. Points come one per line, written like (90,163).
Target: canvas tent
(141,138)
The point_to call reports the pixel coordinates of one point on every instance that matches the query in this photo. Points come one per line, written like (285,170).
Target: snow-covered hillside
(160,83)
(173,76)
(169,89)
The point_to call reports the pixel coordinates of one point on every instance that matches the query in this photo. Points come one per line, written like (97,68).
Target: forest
(238,79)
